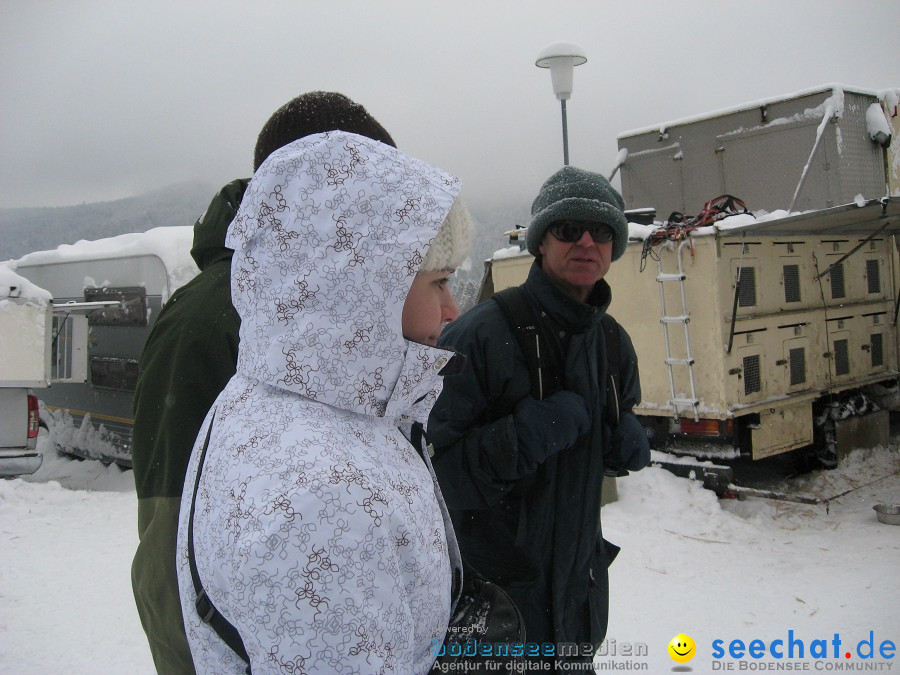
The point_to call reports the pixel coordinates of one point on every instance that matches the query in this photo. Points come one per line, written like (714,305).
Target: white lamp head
(561,58)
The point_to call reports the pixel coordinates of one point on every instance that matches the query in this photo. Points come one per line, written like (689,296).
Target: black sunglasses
(569,231)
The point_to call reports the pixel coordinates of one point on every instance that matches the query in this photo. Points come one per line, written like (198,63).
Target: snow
(744,219)
(876,122)
(64,579)
(891,97)
(172,245)
(92,441)
(14,286)
(754,569)
(620,160)
(657,456)
(637,231)
(510,251)
(833,107)
(689,563)
(836,100)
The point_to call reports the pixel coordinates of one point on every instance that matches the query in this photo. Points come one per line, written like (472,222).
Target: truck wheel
(823,453)
(828,410)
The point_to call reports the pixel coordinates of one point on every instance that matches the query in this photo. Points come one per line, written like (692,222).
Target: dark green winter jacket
(188,358)
(537,535)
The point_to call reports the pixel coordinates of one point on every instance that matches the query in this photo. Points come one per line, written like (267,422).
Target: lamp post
(561,58)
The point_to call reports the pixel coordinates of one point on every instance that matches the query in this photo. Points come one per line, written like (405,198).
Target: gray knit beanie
(450,246)
(576,194)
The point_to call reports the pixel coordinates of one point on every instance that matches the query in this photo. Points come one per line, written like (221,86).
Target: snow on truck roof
(171,245)
(14,286)
(863,217)
(890,95)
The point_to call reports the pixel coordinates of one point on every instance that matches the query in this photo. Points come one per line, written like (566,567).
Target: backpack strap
(544,356)
(542,353)
(611,332)
(205,608)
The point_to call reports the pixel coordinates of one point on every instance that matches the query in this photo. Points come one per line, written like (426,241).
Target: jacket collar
(420,382)
(211,228)
(562,307)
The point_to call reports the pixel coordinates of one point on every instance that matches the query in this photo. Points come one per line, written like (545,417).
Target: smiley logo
(682,648)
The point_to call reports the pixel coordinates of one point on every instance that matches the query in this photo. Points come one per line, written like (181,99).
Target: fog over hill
(23,230)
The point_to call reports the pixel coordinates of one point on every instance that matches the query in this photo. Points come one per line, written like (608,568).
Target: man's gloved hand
(546,427)
(629,449)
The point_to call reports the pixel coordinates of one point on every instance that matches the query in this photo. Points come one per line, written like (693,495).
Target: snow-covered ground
(714,570)
(756,569)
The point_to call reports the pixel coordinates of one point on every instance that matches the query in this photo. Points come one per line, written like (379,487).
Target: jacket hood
(211,228)
(329,236)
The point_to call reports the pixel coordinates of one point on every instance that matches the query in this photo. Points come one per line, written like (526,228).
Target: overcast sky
(101,100)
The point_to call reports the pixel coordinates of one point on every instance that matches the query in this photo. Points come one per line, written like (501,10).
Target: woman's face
(428,307)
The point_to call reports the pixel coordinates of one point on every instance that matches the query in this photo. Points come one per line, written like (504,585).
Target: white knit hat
(451,245)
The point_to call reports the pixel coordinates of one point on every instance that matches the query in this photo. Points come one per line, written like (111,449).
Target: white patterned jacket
(319,532)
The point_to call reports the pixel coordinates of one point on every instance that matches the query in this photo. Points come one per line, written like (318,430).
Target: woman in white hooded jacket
(319,531)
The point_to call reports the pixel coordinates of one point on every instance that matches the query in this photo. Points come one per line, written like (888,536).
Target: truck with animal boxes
(773,330)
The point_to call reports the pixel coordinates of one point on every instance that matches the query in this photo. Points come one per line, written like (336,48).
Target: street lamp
(561,58)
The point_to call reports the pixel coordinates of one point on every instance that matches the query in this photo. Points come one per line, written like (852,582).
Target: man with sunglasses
(522,476)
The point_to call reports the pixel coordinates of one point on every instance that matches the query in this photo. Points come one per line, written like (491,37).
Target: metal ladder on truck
(679,404)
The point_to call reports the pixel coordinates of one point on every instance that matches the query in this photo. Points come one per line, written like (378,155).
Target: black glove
(629,449)
(546,427)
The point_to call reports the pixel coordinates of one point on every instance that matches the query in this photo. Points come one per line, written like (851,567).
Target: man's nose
(586,239)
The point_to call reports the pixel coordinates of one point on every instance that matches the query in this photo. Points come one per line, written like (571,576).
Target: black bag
(486,628)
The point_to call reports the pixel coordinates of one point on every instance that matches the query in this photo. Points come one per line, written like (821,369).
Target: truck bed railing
(68,307)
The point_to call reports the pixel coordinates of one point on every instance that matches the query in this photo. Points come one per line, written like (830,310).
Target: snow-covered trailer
(764,330)
(116,287)
(809,150)
(25,317)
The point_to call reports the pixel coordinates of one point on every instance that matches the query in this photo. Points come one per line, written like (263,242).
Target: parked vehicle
(106,295)
(770,333)
(24,364)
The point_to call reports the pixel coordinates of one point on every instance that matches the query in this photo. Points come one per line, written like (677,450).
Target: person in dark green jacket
(522,477)
(188,358)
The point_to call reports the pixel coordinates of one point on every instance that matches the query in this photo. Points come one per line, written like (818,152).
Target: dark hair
(312,113)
